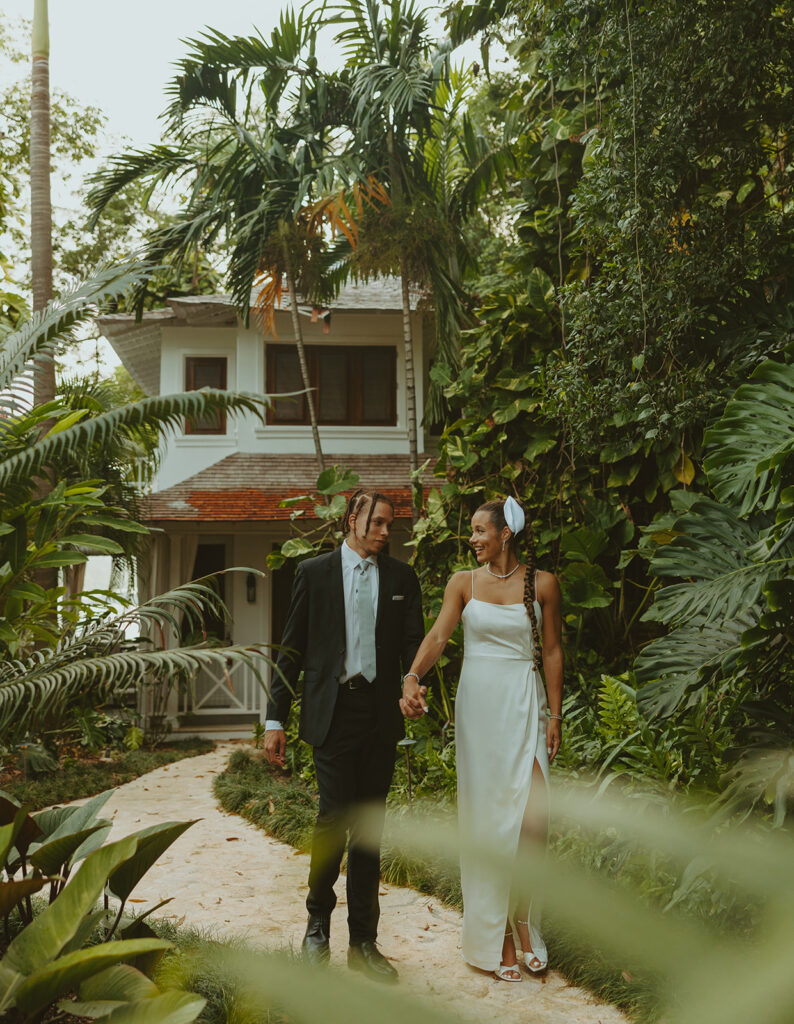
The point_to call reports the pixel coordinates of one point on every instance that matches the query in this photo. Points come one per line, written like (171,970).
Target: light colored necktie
(366,622)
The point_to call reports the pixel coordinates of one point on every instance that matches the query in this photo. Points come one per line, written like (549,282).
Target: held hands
(275,747)
(553,737)
(412,702)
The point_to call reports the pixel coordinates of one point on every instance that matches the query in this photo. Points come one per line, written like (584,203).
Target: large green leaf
(685,659)
(711,552)
(47,934)
(152,843)
(753,440)
(25,833)
(15,891)
(584,585)
(74,819)
(50,857)
(121,984)
(166,1008)
(88,926)
(65,974)
(584,544)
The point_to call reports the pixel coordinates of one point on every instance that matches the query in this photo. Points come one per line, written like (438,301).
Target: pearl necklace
(498,575)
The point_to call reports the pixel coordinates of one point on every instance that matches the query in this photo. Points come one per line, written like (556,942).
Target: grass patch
(77,779)
(196,964)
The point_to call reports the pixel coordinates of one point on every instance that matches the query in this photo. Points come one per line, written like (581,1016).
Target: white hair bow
(514,516)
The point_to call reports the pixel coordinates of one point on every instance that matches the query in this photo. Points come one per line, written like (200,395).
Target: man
(354,618)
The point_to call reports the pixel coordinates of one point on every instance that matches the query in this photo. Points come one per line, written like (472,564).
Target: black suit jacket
(314,640)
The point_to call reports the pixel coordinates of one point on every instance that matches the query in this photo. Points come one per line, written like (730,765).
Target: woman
(504,738)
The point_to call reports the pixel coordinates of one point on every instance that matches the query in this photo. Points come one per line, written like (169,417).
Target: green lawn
(77,779)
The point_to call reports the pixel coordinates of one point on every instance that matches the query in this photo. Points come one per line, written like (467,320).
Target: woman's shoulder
(546,585)
(460,581)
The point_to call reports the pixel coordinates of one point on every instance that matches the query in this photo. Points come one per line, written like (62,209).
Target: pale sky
(119,56)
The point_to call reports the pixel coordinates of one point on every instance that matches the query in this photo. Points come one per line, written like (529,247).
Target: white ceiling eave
(138,343)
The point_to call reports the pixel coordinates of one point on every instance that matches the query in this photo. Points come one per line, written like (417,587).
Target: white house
(216,502)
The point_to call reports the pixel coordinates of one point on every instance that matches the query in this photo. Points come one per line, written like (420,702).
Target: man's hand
(412,702)
(275,747)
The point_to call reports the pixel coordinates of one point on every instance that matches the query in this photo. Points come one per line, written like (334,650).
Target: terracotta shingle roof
(247,487)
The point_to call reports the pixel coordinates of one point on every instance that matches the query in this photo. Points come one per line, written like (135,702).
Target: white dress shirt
(351,574)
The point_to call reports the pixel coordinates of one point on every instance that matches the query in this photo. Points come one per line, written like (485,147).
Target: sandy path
(228,876)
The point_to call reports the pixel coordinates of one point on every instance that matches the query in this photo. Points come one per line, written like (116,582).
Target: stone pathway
(227,876)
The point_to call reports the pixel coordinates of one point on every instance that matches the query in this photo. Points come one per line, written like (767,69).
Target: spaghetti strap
(472,585)
(536,586)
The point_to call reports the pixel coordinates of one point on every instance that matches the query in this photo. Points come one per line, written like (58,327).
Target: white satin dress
(500,730)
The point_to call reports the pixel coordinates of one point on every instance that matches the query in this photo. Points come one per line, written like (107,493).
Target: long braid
(529,594)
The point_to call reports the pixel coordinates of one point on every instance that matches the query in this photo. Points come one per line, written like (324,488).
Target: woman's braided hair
(496,510)
(356,502)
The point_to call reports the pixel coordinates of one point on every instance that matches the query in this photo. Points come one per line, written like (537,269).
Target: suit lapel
(384,588)
(336,589)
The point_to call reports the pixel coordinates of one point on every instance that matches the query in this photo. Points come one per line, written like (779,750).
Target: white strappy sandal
(537,960)
(503,970)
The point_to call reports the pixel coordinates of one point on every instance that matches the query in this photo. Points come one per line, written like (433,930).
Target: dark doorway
(211,558)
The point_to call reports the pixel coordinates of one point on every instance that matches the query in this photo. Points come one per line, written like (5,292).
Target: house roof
(137,342)
(248,487)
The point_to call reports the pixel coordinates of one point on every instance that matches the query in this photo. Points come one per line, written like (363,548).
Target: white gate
(230,690)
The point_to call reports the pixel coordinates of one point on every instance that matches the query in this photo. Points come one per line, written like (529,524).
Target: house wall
(247,547)
(245,350)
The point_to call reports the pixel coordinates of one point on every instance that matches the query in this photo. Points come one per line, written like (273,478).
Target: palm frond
(166,412)
(49,688)
(155,165)
(98,657)
(61,317)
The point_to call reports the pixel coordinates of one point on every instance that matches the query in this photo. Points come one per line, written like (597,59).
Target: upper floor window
(205,372)
(355,385)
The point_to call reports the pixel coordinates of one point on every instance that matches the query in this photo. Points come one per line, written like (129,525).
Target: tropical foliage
(55,511)
(51,953)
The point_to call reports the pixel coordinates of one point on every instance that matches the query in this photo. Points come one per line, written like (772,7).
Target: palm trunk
(408,338)
(40,200)
(41,220)
(410,385)
(298,332)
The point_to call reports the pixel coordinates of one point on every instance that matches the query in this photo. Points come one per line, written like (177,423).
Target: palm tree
(255,172)
(410,126)
(394,71)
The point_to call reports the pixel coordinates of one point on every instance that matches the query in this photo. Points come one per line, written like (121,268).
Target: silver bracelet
(416,677)
(558,717)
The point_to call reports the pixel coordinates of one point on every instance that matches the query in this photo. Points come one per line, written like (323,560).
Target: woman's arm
(412,703)
(551,603)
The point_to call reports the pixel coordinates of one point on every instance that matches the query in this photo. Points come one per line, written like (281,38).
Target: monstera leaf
(753,443)
(686,659)
(711,553)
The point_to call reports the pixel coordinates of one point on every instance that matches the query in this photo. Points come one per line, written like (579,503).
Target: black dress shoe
(367,958)
(314,947)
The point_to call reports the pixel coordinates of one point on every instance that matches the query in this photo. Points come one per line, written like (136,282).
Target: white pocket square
(398,597)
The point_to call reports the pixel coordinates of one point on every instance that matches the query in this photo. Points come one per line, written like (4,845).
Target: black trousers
(354,771)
